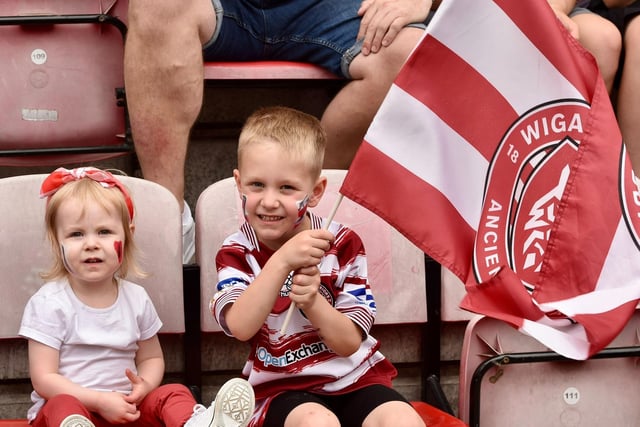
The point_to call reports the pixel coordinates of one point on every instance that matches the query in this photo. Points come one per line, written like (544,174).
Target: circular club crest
(525,182)
(630,197)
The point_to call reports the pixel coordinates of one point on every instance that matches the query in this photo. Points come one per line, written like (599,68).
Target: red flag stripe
(586,210)
(463,98)
(420,202)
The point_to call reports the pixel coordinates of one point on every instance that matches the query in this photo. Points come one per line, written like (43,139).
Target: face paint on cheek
(117,245)
(302,209)
(244,207)
(66,264)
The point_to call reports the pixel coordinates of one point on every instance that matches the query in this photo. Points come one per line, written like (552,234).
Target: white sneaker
(188,235)
(233,407)
(202,416)
(234,404)
(76,420)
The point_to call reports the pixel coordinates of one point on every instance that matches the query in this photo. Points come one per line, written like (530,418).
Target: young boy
(325,369)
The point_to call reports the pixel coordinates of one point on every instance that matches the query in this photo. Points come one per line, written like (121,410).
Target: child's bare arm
(47,382)
(150,366)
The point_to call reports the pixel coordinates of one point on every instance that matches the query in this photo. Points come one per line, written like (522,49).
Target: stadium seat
(62,82)
(63,74)
(509,379)
(265,70)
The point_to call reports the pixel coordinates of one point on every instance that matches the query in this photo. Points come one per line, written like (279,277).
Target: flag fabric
(497,152)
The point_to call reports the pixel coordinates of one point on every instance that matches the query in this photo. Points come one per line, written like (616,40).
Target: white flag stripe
(621,262)
(487,25)
(455,168)
(571,343)
(596,302)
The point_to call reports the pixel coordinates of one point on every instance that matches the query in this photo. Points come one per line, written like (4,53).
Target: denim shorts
(321,32)
(578,11)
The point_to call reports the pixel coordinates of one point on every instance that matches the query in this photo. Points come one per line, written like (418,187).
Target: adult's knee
(383,66)
(155,19)
(146,16)
(632,33)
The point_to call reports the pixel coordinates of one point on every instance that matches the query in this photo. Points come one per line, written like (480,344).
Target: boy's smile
(276,189)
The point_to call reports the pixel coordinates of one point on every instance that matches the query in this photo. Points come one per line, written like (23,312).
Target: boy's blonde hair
(84,190)
(300,134)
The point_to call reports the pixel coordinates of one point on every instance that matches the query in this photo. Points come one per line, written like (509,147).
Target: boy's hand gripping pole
(292,306)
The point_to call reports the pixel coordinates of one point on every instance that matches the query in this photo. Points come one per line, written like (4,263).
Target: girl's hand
(139,388)
(114,408)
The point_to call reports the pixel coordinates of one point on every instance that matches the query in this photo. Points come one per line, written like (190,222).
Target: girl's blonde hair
(84,190)
(300,134)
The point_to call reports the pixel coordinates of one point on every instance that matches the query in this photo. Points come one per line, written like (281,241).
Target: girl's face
(91,241)
(276,190)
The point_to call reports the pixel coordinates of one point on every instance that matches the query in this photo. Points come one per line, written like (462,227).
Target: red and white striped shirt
(299,359)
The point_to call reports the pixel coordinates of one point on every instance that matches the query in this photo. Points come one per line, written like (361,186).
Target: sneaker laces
(199,414)
(198,409)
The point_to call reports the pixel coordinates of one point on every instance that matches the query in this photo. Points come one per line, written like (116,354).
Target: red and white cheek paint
(119,247)
(244,207)
(66,264)
(302,206)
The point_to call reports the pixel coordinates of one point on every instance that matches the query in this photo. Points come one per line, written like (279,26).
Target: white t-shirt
(96,345)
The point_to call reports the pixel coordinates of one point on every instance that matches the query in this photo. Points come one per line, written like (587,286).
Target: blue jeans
(321,32)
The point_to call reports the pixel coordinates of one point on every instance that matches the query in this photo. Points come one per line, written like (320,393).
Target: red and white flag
(497,152)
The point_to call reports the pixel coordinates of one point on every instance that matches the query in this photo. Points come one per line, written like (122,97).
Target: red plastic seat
(265,70)
(14,423)
(62,67)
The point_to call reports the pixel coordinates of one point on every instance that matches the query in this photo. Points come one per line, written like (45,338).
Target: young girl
(94,353)
(325,369)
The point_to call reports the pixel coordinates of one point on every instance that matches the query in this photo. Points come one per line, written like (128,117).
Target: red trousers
(169,405)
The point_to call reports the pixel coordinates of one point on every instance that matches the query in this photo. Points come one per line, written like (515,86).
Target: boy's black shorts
(351,408)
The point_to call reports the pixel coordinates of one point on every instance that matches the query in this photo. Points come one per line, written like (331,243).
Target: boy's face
(91,241)
(276,190)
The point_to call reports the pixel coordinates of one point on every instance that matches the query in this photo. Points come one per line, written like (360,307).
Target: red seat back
(62,62)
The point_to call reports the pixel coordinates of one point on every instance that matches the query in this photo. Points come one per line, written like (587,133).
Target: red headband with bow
(62,176)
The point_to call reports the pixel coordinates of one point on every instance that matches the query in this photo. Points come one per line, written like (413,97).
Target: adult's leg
(164,82)
(603,40)
(628,107)
(349,114)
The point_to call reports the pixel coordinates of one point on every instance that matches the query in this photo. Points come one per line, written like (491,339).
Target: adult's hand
(382,20)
